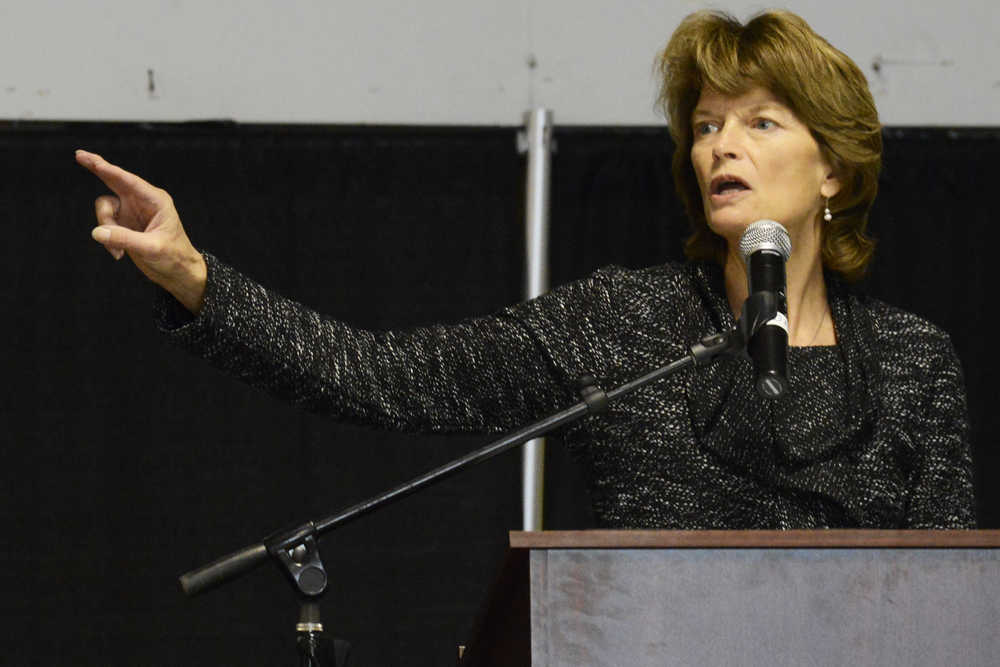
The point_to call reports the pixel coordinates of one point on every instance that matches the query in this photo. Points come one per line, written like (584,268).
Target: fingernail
(118,253)
(101,235)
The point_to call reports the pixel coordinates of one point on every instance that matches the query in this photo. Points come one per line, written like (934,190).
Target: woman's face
(755,160)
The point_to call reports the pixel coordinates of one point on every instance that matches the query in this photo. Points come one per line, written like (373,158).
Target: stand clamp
(759,309)
(592,395)
(298,551)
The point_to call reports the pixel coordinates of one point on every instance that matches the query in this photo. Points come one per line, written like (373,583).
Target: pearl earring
(826,214)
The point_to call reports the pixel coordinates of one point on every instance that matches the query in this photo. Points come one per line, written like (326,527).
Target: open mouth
(727,184)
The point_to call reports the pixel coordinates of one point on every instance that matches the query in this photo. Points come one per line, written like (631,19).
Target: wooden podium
(797,597)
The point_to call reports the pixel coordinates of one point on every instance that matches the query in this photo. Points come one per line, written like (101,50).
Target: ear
(832,170)
(830,186)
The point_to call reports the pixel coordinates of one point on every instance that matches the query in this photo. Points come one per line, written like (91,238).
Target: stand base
(317,650)
(314,648)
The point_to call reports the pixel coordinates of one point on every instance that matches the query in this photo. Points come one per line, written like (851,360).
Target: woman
(770,122)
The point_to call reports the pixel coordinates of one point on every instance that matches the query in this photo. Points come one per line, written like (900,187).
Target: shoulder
(608,290)
(671,273)
(597,322)
(671,282)
(674,295)
(902,332)
(906,346)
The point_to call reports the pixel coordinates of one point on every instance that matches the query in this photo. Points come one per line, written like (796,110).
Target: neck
(809,320)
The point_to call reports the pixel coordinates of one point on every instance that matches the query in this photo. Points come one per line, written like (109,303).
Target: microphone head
(765,235)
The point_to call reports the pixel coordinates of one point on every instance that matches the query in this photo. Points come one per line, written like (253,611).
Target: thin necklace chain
(820,325)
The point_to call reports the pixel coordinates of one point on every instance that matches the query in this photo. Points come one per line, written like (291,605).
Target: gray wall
(479,62)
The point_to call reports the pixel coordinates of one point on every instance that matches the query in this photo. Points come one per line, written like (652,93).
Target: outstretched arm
(483,374)
(480,375)
(140,219)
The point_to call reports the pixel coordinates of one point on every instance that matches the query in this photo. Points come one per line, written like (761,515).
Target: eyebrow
(757,108)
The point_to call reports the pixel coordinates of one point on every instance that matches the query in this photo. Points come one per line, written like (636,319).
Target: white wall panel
(446,61)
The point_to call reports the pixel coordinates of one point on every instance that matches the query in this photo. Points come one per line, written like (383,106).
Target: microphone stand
(296,549)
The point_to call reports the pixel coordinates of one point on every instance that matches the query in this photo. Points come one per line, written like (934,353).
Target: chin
(728,227)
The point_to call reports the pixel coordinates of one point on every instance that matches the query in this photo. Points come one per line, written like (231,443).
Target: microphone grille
(765,235)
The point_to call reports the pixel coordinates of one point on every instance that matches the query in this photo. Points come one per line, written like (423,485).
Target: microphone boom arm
(296,548)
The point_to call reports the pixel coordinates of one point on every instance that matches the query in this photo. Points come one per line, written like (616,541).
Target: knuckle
(157,248)
(103,208)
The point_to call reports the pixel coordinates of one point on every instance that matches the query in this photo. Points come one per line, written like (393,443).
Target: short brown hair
(778,51)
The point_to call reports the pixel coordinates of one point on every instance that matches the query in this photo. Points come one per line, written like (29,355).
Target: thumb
(118,239)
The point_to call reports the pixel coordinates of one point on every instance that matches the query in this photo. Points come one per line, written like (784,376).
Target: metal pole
(535,140)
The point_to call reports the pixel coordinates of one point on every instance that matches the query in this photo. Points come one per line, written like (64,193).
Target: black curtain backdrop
(126,462)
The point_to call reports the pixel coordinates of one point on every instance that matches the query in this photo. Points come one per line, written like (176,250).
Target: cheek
(793,177)
(697,163)
(809,168)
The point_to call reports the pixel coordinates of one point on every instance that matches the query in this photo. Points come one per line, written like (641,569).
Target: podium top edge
(755,539)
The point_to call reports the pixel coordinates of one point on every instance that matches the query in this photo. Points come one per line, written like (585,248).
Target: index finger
(120,181)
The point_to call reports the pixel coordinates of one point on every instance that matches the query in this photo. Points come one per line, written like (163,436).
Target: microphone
(765,247)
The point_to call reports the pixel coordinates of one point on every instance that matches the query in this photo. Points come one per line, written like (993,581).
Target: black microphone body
(766,246)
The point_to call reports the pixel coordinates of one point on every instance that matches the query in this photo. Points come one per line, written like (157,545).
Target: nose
(728,143)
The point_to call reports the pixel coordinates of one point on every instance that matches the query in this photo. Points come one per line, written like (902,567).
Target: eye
(764,124)
(705,127)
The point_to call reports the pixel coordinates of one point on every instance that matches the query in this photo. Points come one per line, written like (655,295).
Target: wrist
(189,287)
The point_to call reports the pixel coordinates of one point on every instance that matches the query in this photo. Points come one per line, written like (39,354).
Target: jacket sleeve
(481,375)
(941,491)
